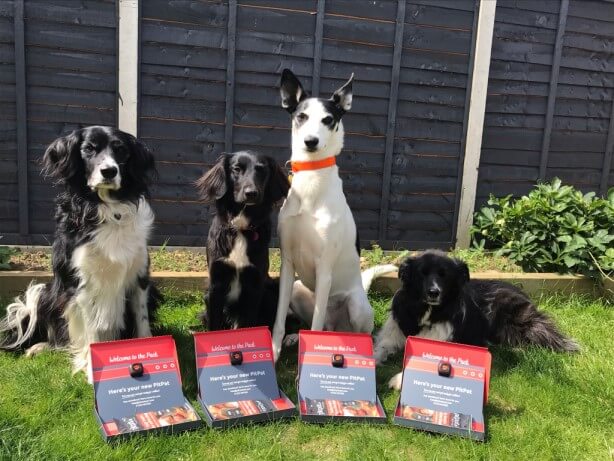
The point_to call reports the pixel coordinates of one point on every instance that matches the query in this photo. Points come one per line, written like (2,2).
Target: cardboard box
(333,388)
(137,388)
(445,387)
(246,392)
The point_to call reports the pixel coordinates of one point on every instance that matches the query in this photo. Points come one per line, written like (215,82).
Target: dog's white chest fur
(317,225)
(440,331)
(110,262)
(238,256)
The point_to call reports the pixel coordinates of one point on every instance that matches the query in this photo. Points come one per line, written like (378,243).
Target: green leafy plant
(5,257)
(555,228)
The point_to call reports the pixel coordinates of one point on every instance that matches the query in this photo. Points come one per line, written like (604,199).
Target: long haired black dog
(244,187)
(438,300)
(100,289)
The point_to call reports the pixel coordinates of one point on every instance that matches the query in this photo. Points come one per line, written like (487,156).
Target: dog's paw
(276,352)
(395,381)
(278,339)
(291,340)
(380,355)
(36,349)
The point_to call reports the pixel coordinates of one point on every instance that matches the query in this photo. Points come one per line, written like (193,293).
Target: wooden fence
(205,78)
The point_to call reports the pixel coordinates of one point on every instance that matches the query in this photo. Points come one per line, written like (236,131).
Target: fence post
(475,119)
(607,156)
(128,66)
(230,73)
(392,115)
(554,81)
(21,119)
(317,49)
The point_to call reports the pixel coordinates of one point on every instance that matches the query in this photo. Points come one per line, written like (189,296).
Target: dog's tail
(373,272)
(20,322)
(538,329)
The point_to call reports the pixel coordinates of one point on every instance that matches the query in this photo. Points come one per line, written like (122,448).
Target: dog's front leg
(323,282)
(286,281)
(138,303)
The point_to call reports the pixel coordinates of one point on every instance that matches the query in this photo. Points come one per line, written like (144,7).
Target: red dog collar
(313,165)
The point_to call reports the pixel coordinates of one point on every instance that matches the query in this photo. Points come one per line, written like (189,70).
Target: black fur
(67,162)
(228,185)
(481,312)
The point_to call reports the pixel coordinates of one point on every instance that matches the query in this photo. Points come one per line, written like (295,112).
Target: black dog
(244,186)
(100,289)
(437,300)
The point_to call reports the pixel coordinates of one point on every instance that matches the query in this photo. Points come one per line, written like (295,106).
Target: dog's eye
(88,148)
(236,169)
(441,273)
(327,120)
(259,167)
(302,117)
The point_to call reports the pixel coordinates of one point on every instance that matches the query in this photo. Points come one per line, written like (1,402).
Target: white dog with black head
(318,236)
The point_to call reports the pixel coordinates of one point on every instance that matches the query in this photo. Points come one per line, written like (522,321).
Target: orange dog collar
(313,165)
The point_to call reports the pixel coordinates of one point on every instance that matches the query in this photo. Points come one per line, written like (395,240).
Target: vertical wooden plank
(554,81)
(21,114)
(475,120)
(317,48)
(461,157)
(607,156)
(128,71)
(230,73)
(392,114)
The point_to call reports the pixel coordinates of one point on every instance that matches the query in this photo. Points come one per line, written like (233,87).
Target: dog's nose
(251,194)
(109,172)
(311,142)
(433,292)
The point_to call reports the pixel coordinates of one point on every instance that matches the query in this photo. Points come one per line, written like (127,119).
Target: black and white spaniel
(100,289)
(244,186)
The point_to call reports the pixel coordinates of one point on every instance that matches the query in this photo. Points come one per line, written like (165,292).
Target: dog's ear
(291,90)
(405,269)
(343,96)
(62,159)
(278,185)
(212,185)
(463,271)
(140,164)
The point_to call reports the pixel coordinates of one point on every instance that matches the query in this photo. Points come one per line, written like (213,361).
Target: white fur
(19,310)
(96,181)
(108,267)
(238,256)
(317,236)
(389,340)
(440,331)
(330,143)
(396,381)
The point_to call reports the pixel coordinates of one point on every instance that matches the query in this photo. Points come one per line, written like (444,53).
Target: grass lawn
(542,405)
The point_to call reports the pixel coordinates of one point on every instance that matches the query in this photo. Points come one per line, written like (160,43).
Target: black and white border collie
(437,300)
(244,186)
(100,289)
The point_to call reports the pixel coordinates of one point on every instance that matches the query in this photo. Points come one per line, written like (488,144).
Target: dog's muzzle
(105,177)
(433,296)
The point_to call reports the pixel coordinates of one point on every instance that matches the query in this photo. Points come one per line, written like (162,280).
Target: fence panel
(543,122)
(9,188)
(68,59)
(208,77)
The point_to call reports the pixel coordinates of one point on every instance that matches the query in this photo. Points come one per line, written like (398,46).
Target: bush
(5,257)
(554,229)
